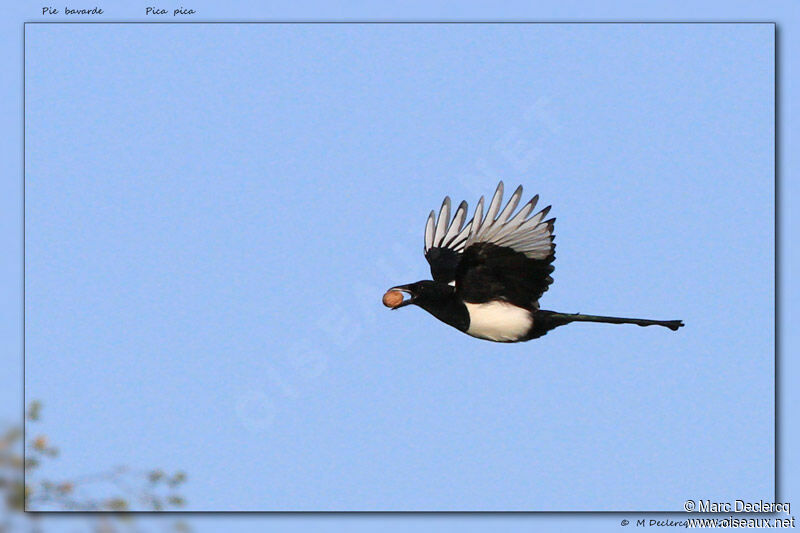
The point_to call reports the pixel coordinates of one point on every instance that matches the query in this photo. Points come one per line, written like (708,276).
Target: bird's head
(419,293)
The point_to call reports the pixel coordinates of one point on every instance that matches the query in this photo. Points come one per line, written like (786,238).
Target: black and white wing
(507,257)
(445,240)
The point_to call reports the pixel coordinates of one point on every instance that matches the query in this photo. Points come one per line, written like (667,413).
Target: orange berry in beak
(392,299)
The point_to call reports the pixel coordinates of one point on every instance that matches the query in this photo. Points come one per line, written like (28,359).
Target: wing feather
(444,220)
(507,253)
(498,226)
(430,231)
(531,235)
(456,225)
(494,207)
(445,240)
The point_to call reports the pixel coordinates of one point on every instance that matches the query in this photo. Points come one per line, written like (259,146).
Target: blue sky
(207,369)
(214,211)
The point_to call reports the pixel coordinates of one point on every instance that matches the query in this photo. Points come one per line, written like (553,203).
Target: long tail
(567,318)
(544,321)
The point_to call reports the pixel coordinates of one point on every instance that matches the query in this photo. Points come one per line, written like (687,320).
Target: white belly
(498,321)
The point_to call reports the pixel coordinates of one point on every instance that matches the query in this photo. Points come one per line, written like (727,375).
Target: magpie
(489,273)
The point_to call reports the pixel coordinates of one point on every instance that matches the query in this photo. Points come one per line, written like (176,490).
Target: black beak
(407,301)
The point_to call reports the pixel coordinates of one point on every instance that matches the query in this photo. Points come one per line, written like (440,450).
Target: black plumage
(489,273)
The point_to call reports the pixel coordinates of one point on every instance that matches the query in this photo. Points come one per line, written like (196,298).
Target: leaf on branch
(34,410)
(157,505)
(18,496)
(117,504)
(177,501)
(11,436)
(177,479)
(40,443)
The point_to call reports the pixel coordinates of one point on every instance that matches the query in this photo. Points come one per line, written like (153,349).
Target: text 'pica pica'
(489,273)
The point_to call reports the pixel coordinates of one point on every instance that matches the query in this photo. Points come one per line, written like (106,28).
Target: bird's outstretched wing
(505,257)
(445,240)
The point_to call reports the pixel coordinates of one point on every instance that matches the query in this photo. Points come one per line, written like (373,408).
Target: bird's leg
(566,318)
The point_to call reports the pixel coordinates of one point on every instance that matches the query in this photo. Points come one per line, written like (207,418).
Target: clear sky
(214,212)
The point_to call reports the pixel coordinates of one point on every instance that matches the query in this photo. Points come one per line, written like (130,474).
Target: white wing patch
(446,233)
(532,236)
(498,321)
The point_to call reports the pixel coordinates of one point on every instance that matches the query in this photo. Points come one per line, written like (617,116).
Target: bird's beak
(407,301)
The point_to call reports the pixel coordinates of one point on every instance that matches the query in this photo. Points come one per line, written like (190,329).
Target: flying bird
(489,273)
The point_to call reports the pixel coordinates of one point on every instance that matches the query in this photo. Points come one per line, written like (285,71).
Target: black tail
(544,321)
